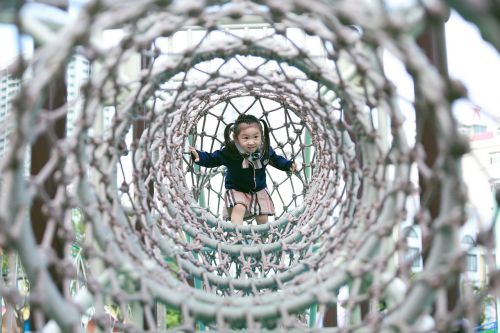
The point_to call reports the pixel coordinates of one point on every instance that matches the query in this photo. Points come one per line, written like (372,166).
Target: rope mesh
(288,135)
(140,226)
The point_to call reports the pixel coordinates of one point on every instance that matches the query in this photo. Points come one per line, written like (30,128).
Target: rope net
(133,238)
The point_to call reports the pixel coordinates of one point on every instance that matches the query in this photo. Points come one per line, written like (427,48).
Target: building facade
(9,87)
(481,170)
(77,74)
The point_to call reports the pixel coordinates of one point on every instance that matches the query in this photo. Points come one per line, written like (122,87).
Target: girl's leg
(237,214)
(261,219)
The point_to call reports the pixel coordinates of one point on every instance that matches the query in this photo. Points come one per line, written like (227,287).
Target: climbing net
(120,198)
(289,136)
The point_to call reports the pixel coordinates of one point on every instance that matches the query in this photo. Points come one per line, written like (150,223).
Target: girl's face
(249,137)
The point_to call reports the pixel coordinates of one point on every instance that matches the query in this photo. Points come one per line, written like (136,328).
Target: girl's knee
(261,219)
(239,208)
(237,214)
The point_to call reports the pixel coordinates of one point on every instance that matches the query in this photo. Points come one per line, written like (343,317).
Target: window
(468,240)
(478,129)
(471,262)
(413,255)
(495,158)
(409,232)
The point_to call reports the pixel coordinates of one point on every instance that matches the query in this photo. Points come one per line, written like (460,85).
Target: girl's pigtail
(227,131)
(227,140)
(267,141)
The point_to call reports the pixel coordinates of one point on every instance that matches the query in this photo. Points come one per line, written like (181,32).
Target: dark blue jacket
(244,180)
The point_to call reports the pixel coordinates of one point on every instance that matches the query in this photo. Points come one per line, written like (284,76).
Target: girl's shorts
(258,203)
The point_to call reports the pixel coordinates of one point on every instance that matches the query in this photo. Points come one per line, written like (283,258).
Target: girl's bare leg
(261,219)
(237,214)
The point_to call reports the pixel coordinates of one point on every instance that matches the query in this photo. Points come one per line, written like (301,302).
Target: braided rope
(127,204)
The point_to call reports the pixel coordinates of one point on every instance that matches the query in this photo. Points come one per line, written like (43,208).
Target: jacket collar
(254,159)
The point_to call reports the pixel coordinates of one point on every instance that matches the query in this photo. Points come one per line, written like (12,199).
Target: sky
(11,46)
(477,64)
(470,59)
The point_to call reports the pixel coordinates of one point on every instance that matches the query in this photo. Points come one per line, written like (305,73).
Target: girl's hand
(194,154)
(293,167)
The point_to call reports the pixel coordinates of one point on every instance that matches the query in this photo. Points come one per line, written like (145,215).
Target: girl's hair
(246,119)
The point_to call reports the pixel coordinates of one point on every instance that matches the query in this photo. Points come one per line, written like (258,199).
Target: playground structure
(114,227)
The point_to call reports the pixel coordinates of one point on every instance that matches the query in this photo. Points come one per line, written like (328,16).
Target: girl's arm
(279,162)
(208,160)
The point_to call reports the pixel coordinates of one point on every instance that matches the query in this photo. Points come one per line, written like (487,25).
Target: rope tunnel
(143,223)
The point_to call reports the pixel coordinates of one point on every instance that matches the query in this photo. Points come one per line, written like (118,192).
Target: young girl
(246,158)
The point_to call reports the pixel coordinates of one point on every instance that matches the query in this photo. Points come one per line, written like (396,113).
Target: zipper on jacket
(254,181)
